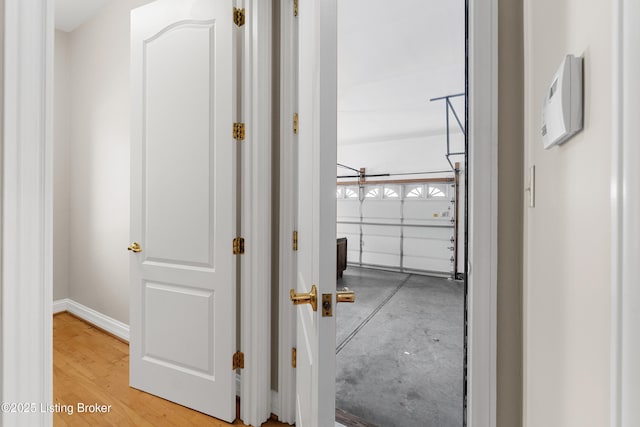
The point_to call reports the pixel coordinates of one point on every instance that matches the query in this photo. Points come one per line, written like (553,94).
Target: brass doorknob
(345,295)
(306,298)
(134,247)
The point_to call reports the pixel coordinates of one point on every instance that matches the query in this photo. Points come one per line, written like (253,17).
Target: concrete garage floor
(400,349)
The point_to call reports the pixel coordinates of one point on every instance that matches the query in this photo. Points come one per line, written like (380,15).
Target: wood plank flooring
(90,366)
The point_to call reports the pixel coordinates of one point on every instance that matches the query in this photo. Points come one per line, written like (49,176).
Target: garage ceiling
(393,56)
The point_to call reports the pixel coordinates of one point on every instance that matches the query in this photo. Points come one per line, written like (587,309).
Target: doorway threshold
(345,419)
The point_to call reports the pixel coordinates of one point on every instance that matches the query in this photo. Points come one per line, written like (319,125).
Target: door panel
(179,159)
(191,344)
(183,331)
(316,336)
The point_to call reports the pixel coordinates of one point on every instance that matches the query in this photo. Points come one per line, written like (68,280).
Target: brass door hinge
(238,360)
(295,7)
(295,123)
(238,245)
(238,131)
(294,357)
(295,240)
(238,16)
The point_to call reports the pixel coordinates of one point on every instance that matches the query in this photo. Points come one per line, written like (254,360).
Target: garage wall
(425,153)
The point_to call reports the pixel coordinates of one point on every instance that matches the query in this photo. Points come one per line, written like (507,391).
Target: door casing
(625,201)
(255,217)
(483,160)
(27,206)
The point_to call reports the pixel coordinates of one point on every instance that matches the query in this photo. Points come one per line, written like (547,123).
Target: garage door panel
(428,232)
(427,264)
(426,210)
(347,230)
(380,231)
(411,233)
(381,244)
(348,210)
(353,257)
(381,209)
(427,247)
(383,260)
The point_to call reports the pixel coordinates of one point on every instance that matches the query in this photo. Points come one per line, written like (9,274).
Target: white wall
(567,241)
(98,171)
(392,60)
(61,141)
(414,154)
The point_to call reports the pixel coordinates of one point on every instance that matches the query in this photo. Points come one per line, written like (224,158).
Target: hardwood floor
(92,367)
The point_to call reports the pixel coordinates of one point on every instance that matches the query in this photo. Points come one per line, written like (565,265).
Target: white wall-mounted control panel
(562,109)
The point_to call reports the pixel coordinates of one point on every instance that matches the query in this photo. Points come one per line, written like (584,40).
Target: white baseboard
(60,305)
(113,326)
(275,403)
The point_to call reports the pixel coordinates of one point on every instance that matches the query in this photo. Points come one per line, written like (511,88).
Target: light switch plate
(532,186)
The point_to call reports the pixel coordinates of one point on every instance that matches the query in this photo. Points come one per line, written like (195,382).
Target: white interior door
(183,330)
(316,336)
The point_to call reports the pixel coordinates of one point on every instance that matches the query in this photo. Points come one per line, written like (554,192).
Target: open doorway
(99,143)
(400,349)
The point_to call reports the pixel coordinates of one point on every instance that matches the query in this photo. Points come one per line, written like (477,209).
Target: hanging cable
(348,167)
(419,173)
(365,176)
(394,174)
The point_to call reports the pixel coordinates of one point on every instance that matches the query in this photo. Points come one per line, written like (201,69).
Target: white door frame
(27,227)
(27,272)
(483,190)
(286,405)
(625,232)
(483,213)
(255,294)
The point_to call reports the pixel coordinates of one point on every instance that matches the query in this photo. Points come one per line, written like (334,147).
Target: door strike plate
(327,310)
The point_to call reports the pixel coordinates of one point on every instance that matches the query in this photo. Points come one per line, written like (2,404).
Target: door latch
(305,298)
(345,295)
(327,309)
